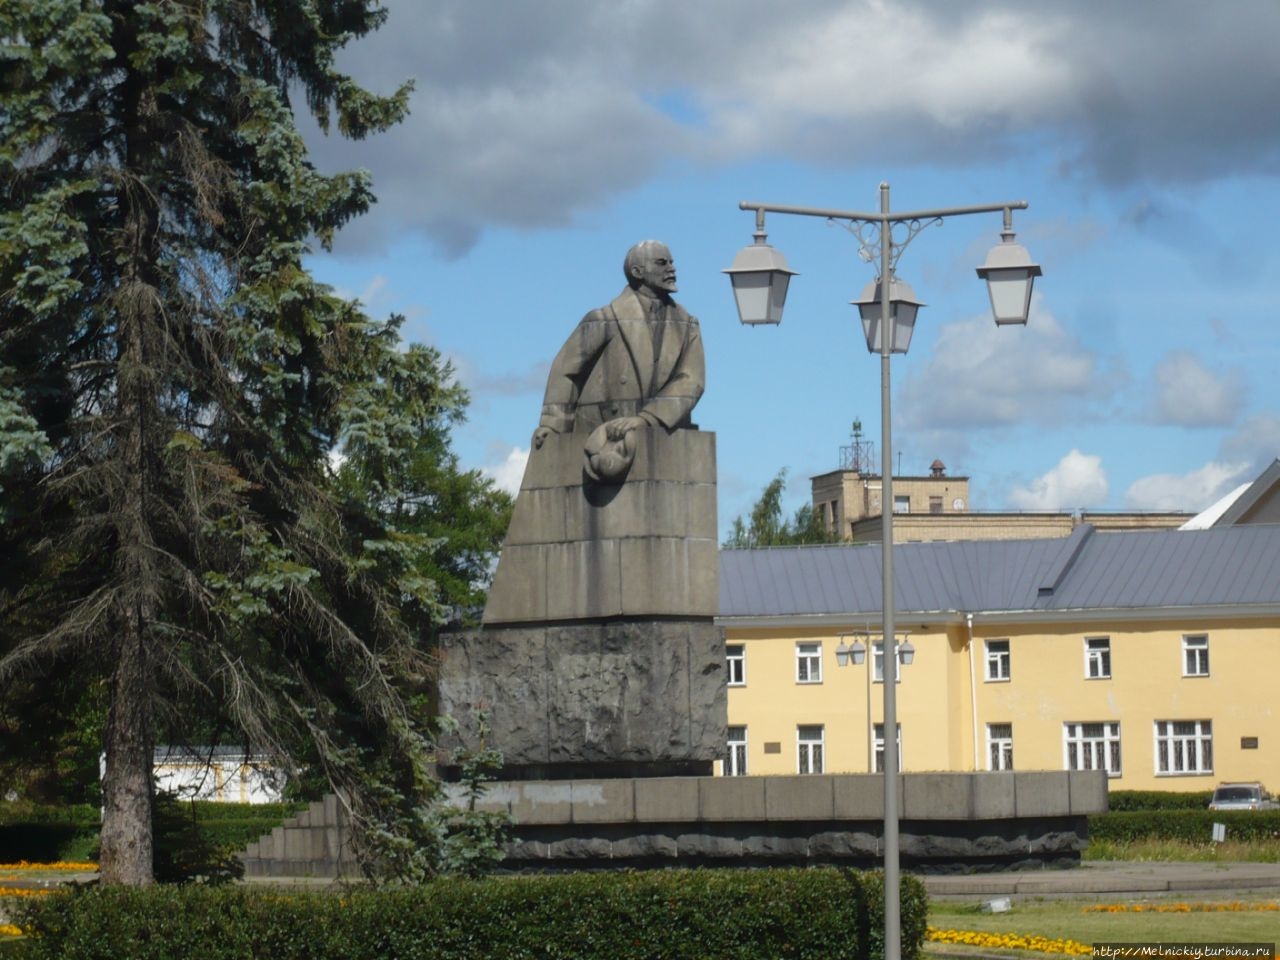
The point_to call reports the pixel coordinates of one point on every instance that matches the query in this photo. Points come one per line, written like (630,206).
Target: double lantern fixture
(760,274)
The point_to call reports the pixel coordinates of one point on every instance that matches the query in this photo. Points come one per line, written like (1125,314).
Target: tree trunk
(126,856)
(127,843)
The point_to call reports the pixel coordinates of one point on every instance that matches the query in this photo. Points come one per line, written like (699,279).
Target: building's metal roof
(1261,488)
(1087,571)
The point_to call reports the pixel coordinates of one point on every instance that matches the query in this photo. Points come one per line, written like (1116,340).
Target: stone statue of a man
(635,363)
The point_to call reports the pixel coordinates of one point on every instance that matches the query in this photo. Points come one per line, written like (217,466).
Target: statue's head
(649,264)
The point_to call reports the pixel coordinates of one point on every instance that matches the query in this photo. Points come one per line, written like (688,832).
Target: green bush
(748,914)
(1190,826)
(44,834)
(1121,801)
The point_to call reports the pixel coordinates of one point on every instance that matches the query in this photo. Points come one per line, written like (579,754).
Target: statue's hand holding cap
(608,461)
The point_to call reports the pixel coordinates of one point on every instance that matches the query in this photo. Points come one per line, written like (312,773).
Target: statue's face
(656,269)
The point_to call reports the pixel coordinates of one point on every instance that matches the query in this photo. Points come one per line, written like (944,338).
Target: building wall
(222,780)
(772,704)
(850,502)
(1047,688)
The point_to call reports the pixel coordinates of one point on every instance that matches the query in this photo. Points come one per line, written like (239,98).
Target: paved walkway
(1100,879)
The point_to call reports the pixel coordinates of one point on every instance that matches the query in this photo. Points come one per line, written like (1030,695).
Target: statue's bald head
(649,264)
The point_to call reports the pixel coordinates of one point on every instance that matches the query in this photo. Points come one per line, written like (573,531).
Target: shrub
(1190,826)
(43,834)
(1121,801)
(748,914)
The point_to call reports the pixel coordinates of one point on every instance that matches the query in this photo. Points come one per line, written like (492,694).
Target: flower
(1009,941)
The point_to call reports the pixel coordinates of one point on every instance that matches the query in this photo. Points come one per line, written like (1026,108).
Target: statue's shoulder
(623,305)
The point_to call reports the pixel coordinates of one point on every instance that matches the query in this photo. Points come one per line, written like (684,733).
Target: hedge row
(746,914)
(1192,826)
(44,834)
(1126,800)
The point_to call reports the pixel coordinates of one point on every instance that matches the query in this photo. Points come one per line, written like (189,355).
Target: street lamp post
(760,277)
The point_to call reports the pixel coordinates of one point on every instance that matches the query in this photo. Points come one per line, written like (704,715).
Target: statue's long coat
(621,361)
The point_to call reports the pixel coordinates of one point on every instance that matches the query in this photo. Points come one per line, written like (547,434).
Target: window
(1097,658)
(999,746)
(879,732)
(1184,746)
(735,760)
(809,748)
(935,504)
(736,662)
(901,504)
(877,661)
(1195,656)
(1092,746)
(998,662)
(808,663)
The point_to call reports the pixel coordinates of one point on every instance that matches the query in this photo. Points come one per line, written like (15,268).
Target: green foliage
(471,840)
(1190,826)
(745,914)
(767,527)
(193,838)
(47,834)
(1127,800)
(186,851)
(174,389)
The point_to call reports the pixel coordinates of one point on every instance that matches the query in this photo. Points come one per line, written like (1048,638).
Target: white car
(1242,796)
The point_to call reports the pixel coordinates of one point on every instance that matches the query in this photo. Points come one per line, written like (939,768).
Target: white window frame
(735,755)
(809,662)
(999,746)
(999,661)
(902,503)
(735,657)
(1092,745)
(1183,752)
(878,736)
(1097,658)
(1195,655)
(877,662)
(810,747)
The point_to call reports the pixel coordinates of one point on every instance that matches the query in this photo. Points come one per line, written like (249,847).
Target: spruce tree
(173,388)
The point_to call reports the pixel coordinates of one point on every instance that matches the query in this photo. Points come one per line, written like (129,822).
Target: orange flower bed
(1234,906)
(1009,941)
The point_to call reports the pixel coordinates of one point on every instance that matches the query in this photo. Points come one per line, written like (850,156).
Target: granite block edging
(955,823)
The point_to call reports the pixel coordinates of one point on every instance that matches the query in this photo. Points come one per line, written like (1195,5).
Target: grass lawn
(1174,850)
(1253,920)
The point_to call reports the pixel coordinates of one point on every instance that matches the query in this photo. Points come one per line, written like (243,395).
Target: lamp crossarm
(873,229)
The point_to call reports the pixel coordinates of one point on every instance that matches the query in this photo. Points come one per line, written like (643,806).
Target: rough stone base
(618,698)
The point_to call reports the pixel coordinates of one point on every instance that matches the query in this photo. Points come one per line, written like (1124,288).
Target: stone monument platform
(598,654)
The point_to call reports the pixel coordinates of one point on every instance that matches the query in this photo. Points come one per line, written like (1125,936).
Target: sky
(545,138)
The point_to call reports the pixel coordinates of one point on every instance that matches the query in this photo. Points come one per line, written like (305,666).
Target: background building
(1150,654)
(935,506)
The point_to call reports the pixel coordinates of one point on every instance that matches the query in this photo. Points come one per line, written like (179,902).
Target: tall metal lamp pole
(760,277)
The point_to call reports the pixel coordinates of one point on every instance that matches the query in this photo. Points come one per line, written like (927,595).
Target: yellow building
(1154,655)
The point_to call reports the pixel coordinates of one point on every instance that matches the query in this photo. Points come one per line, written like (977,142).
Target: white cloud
(1190,491)
(981,375)
(1189,394)
(1077,481)
(508,474)
(530,115)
